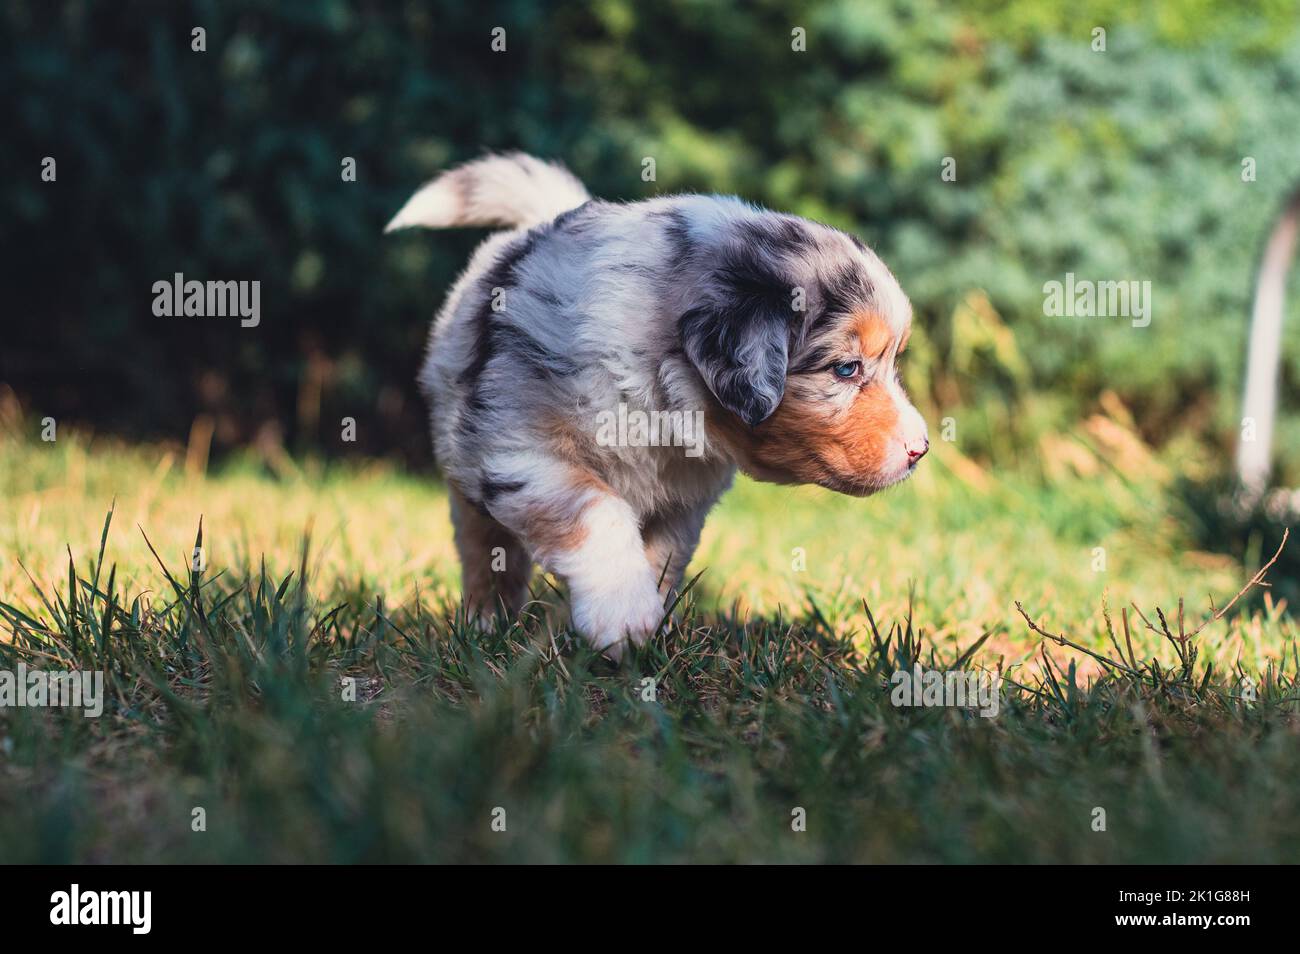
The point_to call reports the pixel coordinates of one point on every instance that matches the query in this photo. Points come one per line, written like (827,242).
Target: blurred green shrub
(1123,164)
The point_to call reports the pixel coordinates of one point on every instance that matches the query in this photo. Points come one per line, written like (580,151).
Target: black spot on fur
(494,336)
(575,218)
(636,268)
(846,290)
(777,236)
(502,274)
(748,282)
(681,247)
(512,341)
(814,360)
(492,489)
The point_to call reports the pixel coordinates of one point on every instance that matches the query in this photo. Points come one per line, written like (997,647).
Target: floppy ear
(740,345)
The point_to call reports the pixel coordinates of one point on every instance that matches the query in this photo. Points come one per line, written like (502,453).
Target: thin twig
(1179,642)
(1057,638)
(1128,637)
(1256,580)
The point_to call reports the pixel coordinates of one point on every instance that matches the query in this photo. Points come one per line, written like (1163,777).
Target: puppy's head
(797,329)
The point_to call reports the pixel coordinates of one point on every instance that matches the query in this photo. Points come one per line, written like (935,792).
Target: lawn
(313,693)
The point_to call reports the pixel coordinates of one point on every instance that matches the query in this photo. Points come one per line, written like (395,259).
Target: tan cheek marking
(860,440)
(802,442)
(787,444)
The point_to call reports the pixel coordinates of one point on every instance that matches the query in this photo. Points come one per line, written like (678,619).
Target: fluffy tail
(512,190)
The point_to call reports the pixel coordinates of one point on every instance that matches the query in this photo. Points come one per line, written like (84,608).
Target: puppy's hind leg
(495,567)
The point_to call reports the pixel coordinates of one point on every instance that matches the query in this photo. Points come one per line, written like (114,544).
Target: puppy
(771,339)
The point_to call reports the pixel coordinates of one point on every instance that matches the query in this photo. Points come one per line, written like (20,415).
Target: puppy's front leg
(578,528)
(614,589)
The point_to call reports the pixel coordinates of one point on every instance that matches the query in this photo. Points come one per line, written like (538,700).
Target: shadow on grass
(245,721)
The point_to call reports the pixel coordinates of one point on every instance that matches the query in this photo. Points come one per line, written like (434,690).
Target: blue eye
(847,369)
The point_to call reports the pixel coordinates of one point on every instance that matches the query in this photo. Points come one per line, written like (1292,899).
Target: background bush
(225,164)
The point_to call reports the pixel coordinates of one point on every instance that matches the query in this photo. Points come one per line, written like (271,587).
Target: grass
(770,692)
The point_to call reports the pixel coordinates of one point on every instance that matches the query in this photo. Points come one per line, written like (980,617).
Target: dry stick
(1256,580)
(1110,630)
(1146,621)
(1128,637)
(1057,638)
(1173,640)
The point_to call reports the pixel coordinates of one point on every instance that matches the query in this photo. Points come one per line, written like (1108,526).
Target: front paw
(608,619)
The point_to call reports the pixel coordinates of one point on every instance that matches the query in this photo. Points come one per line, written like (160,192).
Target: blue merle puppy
(727,335)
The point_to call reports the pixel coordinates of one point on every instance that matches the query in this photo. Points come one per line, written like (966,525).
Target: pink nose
(916,451)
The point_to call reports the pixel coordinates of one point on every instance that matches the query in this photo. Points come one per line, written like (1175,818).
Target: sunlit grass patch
(312,685)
